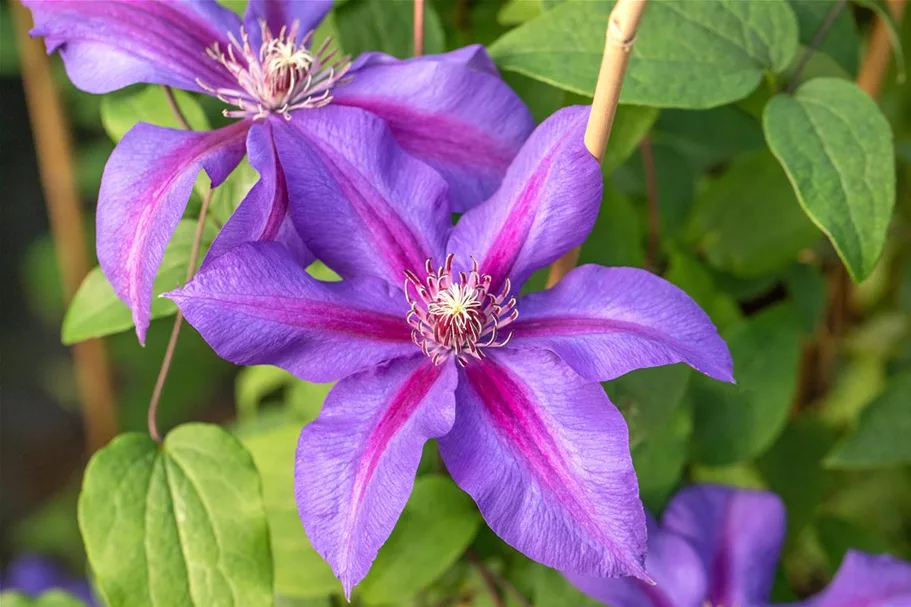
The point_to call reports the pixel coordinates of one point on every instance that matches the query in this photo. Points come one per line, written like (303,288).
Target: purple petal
(737,533)
(356,463)
(449,111)
(545,455)
(263,214)
(473,56)
(256,305)
(284,13)
(605,322)
(866,580)
(144,191)
(671,562)
(546,206)
(361,204)
(109,44)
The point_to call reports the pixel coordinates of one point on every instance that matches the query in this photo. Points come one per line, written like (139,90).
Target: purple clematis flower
(719,546)
(429,340)
(33,574)
(452,111)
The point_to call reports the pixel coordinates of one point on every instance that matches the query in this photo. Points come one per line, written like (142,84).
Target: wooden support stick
(621,34)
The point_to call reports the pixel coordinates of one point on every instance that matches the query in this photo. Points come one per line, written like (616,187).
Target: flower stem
(487,576)
(814,44)
(418,28)
(53,146)
(621,34)
(191,269)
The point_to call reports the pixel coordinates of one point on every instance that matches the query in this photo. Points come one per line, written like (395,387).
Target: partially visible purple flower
(452,111)
(429,340)
(32,575)
(719,547)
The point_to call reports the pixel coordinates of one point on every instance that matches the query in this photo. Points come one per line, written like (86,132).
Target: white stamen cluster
(459,319)
(281,77)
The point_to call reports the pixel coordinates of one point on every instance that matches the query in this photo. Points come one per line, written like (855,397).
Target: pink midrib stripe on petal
(509,241)
(512,411)
(580,326)
(401,248)
(279,207)
(437,137)
(198,149)
(402,407)
(197,29)
(317,315)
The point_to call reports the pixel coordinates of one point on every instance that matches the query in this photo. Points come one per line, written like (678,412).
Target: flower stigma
(283,76)
(457,315)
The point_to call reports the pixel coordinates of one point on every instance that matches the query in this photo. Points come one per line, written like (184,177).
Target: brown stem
(487,575)
(814,44)
(418,28)
(178,320)
(172,102)
(875,65)
(654,208)
(191,269)
(55,164)
(621,34)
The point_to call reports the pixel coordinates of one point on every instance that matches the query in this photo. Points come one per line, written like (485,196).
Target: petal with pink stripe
(360,203)
(356,463)
(452,111)
(144,191)
(257,306)
(263,213)
(546,457)
(107,45)
(546,206)
(605,322)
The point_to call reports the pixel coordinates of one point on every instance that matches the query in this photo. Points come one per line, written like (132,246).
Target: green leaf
(748,221)
(709,137)
(380,25)
(836,147)
(733,423)
(96,310)
(119,113)
(792,468)
(299,570)
(881,438)
(690,275)
(52,598)
(840,42)
(649,398)
(659,460)
(437,525)
(516,12)
(617,238)
(807,288)
(631,125)
(687,54)
(227,196)
(838,535)
(541,98)
(167,525)
(254,384)
(552,590)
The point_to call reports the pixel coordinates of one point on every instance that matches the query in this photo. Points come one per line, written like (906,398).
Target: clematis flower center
(280,77)
(457,315)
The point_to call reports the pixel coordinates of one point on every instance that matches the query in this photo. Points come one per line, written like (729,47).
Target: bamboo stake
(418,28)
(621,34)
(55,165)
